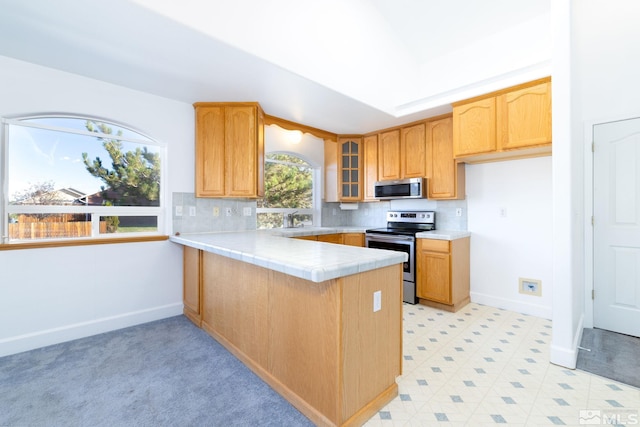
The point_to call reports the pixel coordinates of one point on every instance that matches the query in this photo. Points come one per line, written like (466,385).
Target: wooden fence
(52,230)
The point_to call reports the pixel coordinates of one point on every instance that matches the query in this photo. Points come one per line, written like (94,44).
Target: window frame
(316,191)
(95,211)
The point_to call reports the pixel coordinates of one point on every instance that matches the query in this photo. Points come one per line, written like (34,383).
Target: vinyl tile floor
(485,366)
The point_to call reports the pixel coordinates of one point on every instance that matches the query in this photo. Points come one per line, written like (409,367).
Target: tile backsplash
(209,214)
(200,215)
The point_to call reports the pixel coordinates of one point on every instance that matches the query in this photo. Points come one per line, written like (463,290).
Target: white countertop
(314,261)
(443,234)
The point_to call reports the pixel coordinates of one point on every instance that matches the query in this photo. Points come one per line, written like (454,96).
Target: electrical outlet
(377,301)
(179,210)
(228,211)
(216,211)
(459,212)
(192,211)
(530,287)
(503,212)
(246,211)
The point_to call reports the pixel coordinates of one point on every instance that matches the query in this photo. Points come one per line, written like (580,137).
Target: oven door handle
(385,238)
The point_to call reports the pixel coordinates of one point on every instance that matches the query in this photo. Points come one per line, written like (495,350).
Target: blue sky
(42,155)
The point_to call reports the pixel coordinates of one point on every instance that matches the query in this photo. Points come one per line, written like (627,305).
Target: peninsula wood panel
(320,345)
(192,284)
(369,366)
(234,304)
(413,151)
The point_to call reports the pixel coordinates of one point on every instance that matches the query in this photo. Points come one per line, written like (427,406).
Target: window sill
(79,242)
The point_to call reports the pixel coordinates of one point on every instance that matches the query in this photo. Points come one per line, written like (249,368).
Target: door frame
(589,261)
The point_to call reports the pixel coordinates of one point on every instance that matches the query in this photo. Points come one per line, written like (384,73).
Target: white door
(616,233)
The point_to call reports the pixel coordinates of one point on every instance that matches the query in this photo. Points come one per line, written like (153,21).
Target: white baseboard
(542,311)
(75,331)
(568,356)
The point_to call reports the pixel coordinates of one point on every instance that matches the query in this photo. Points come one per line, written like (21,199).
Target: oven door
(404,244)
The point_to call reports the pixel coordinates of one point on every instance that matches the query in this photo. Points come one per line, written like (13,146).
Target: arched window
(79,177)
(289,190)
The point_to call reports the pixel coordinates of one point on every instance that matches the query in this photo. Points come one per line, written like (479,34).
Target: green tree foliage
(288,183)
(134,177)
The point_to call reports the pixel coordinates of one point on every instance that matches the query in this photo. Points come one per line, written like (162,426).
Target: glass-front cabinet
(350,169)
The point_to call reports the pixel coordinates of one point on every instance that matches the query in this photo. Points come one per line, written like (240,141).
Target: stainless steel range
(400,235)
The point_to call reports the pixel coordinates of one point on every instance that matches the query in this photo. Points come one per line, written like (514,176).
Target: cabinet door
(413,151)
(353,239)
(474,127)
(192,283)
(331,171)
(434,281)
(524,117)
(242,152)
(370,164)
(389,155)
(350,169)
(446,176)
(210,152)
(330,238)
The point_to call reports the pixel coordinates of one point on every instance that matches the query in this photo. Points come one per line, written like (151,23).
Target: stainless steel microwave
(410,188)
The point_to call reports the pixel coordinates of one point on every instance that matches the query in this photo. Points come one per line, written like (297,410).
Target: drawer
(434,245)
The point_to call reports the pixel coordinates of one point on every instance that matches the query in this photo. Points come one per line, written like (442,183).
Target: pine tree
(134,177)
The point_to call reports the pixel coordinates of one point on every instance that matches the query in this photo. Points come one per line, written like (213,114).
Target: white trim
(567,356)
(75,331)
(523,307)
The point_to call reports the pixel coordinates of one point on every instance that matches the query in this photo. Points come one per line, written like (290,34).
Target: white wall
(606,89)
(53,295)
(509,205)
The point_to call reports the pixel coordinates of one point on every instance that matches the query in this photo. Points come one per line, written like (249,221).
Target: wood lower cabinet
(446,175)
(330,238)
(192,284)
(443,273)
(353,239)
(229,149)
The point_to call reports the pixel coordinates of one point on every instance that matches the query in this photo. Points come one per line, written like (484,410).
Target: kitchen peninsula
(320,323)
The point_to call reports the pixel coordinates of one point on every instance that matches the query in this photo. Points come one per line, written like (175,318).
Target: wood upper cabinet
(331,171)
(229,150)
(350,168)
(474,127)
(389,155)
(413,151)
(446,175)
(442,278)
(524,117)
(511,123)
(370,165)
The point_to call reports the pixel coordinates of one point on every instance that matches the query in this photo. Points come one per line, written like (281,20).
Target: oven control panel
(424,217)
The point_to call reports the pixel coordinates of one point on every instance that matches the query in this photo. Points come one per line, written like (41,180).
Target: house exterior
(593,70)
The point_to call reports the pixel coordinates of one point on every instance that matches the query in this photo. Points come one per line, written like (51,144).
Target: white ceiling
(343,66)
